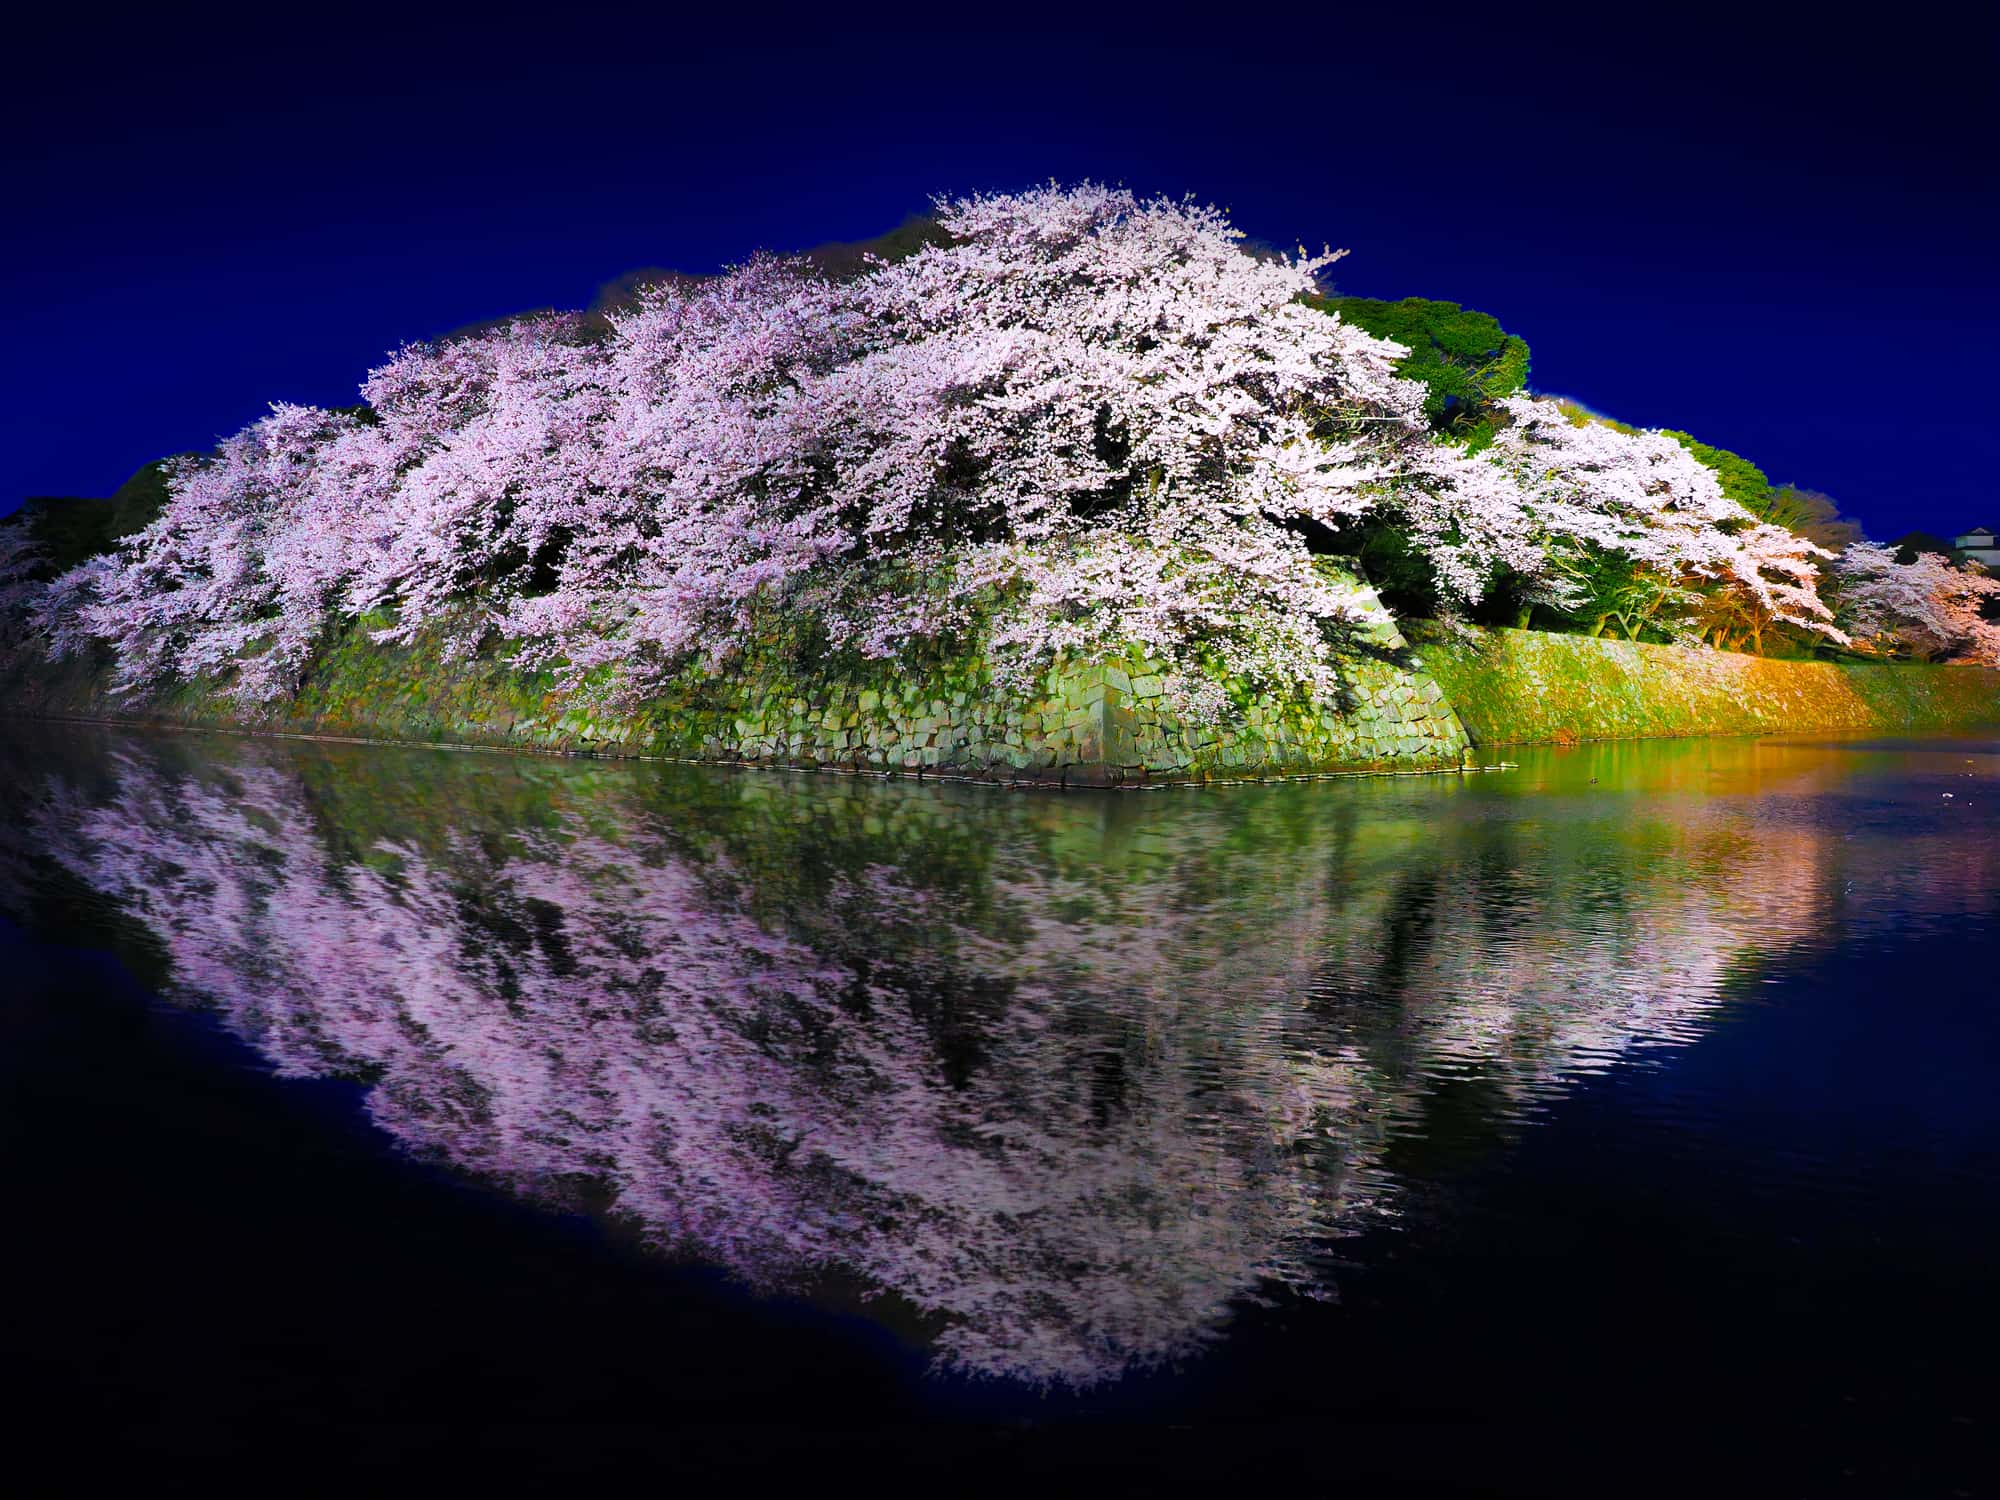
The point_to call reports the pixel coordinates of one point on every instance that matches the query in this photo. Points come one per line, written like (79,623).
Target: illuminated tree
(1930,606)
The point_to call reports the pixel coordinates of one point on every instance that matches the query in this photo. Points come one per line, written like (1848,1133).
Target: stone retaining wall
(1097,723)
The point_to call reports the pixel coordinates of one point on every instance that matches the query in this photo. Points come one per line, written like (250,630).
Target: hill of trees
(1066,420)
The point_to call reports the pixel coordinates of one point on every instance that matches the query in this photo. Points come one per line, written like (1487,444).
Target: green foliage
(1465,360)
(1814,516)
(1580,415)
(71,528)
(838,261)
(1911,543)
(1397,568)
(1808,513)
(1742,481)
(843,260)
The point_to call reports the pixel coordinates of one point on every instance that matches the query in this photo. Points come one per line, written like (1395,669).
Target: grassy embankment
(1514,687)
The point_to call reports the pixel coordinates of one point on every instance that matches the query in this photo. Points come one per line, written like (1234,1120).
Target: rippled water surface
(1638,1075)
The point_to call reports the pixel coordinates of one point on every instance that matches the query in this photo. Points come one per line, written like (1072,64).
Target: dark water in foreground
(1647,1088)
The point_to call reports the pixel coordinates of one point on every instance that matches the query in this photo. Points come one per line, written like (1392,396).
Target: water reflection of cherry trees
(1065,1077)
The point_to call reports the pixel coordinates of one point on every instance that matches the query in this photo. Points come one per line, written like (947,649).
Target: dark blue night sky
(1779,242)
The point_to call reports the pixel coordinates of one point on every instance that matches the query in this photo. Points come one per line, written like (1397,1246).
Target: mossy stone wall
(1103,722)
(1532,687)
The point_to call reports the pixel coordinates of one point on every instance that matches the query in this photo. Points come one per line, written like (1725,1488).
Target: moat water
(1641,1084)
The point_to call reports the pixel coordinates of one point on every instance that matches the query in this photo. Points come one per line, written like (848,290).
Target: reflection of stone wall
(1101,723)
(1533,687)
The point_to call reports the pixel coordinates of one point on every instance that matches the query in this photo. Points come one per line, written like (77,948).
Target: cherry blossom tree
(1081,420)
(237,574)
(1773,581)
(1929,606)
(1607,525)
(1078,420)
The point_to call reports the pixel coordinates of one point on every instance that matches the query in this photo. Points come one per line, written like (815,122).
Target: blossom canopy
(1074,420)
